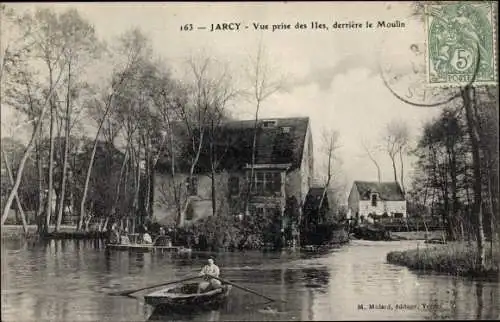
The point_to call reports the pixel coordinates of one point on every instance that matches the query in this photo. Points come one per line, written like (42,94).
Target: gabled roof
(317,192)
(280,143)
(390,191)
(313,198)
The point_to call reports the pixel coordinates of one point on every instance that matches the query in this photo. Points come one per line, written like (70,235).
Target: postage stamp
(460,44)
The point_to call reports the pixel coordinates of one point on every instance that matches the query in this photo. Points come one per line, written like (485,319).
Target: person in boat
(208,282)
(115,235)
(124,240)
(146,238)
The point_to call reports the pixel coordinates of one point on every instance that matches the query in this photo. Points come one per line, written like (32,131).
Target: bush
(211,233)
(228,232)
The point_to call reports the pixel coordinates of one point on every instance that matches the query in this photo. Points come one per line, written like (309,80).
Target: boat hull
(174,300)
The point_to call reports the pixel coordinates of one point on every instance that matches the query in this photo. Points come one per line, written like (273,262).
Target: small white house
(376,198)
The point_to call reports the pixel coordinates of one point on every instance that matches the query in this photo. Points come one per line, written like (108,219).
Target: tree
(370,153)
(469,99)
(19,207)
(169,96)
(262,86)
(209,90)
(14,47)
(442,163)
(215,85)
(396,139)
(132,46)
(82,47)
(330,142)
(487,113)
(47,48)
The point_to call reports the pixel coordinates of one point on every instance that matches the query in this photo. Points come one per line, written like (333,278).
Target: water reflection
(479,294)
(316,278)
(70,281)
(161,315)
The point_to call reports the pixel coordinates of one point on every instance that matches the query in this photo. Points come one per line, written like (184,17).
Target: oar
(244,288)
(128,292)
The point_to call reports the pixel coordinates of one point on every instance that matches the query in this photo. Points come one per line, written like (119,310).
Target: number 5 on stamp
(460,44)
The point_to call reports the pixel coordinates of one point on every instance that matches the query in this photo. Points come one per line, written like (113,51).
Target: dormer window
(266,124)
(374,199)
(285,129)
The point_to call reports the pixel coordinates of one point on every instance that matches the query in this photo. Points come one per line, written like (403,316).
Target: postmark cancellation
(460,44)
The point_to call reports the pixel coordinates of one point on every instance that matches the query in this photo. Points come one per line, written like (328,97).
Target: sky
(333,74)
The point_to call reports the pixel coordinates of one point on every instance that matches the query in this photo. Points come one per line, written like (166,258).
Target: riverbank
(457,258)
(418,235)
(65,232)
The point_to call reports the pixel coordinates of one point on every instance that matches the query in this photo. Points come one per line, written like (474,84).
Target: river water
(70,281)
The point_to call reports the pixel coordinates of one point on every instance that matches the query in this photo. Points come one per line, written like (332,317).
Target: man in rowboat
(210,269)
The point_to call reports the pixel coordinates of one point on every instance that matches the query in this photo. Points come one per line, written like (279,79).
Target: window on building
(234,186)
(259,182)
(266,183)
(269,123)
(374,199)
(263,210)
(273,182)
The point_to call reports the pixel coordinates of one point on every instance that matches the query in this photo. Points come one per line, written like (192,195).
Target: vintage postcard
(249,161)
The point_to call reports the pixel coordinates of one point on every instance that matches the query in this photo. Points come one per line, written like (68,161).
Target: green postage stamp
(460,44)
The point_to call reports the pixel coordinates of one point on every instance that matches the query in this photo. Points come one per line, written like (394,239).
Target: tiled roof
(386,190)
(281,142)
(313,199)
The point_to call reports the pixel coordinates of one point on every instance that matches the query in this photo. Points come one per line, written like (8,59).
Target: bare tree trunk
(490,201)
(327,183)
(120,178)
(39,166)
(87,222)
(105,225)
(137,186)
(454,198)
(177,190)
(66,152)
(48,211)
(197,156)
(393,160)
(469,99)
(18,202)
(94,147)
(401,174)
(372,158)
(214,194)
(147,177)
(213,168)
(151,191)
(254,146)
(91,164)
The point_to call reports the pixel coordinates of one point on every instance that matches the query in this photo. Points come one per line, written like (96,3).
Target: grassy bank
(457,258)
(417,235)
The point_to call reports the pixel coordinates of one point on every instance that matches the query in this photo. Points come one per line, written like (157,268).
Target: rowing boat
(185,297)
